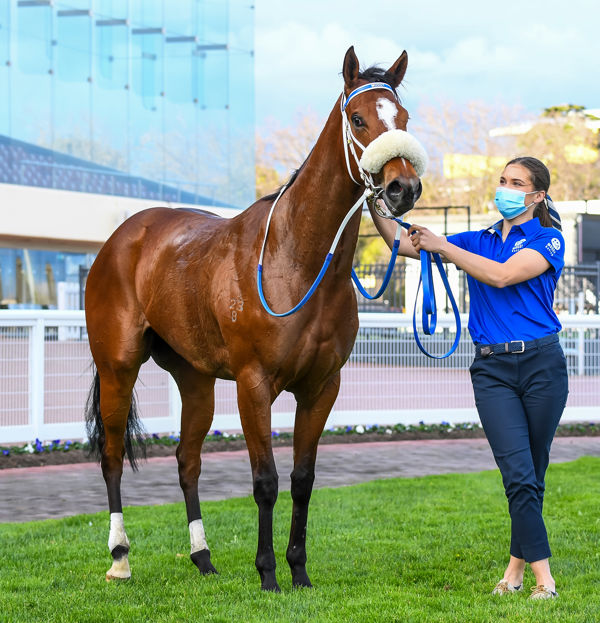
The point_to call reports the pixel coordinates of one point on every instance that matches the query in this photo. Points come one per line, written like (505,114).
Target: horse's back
(200,211)
(155,228)
(146,243)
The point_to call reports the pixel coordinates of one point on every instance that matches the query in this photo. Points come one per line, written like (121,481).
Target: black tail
(135,443)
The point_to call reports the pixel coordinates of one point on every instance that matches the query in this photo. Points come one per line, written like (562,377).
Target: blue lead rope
(429,315)
(305,298)
(386,278)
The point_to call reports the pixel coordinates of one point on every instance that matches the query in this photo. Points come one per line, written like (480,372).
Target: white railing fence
(45,376)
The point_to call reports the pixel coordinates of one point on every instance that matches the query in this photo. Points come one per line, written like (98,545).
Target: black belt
(514,346)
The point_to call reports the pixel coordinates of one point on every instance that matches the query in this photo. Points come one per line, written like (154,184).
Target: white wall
(66,220)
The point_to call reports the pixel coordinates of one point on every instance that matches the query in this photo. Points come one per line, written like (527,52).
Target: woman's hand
(423,239)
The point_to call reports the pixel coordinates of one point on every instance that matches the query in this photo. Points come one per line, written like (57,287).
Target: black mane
(371,74)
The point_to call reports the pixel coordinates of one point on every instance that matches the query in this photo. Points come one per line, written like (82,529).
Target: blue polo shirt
(522,311)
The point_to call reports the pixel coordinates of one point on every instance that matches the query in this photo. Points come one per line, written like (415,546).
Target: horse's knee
(265,487)
(302,484)
(189,473)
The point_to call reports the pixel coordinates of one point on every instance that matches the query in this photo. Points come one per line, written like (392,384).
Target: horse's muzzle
(401,194)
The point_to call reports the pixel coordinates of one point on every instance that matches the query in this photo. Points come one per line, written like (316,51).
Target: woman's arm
(523,265)
(387,230)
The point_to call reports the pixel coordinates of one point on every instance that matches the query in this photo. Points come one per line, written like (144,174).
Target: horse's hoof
(302,583)
(272,587)
(268,582)
(110,577)
(202,560)
(120,570)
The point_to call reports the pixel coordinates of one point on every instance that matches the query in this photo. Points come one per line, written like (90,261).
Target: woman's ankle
(515,571)
(515,580)
(545,580)
(543,576)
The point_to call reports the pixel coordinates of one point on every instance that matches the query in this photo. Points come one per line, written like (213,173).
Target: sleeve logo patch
(553,246)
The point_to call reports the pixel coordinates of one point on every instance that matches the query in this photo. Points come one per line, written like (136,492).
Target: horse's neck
(317,202)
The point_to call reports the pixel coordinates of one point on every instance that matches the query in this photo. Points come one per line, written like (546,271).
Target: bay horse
(180,286)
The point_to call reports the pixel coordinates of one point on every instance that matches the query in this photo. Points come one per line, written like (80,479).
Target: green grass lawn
(421,549)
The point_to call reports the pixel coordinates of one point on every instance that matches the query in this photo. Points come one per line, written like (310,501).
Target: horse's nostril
(394,190)
(419,190)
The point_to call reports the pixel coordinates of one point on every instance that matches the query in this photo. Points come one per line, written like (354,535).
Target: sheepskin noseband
(394,144)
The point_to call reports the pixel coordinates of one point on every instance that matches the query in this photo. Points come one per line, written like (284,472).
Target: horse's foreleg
(197,397)
(254,402)
(311,416)
(115,402)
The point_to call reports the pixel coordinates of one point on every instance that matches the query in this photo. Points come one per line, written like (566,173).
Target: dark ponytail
(540,178)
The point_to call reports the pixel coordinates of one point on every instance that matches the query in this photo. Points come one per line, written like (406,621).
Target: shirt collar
(528,227)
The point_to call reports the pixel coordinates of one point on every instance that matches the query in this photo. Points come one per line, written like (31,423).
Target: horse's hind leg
(198,402)
(115,404)
(311,416)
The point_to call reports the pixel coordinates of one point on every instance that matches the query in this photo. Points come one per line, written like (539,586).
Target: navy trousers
(520,398)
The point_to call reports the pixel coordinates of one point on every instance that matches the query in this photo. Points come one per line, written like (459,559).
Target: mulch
(59,457)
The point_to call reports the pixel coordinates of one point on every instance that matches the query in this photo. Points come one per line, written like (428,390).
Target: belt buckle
(522,346)
(486,351)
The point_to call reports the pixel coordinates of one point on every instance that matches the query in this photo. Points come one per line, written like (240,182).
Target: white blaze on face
(387,111)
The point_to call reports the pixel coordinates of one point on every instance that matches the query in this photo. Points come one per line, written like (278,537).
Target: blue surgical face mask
(511,202)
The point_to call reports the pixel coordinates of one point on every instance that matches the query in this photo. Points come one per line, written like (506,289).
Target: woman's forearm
(385,227)
(524,265)
(387,230)
(481,268)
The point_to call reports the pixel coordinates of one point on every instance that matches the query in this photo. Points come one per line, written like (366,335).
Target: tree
(465,160)
(280,150)
(565,140)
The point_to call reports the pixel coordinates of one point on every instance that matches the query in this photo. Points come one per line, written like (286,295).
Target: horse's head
(375,121)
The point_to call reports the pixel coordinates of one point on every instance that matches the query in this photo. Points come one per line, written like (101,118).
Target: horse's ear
(350,70)
(398,69)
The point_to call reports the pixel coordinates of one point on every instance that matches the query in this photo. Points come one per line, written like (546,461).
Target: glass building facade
(149,99)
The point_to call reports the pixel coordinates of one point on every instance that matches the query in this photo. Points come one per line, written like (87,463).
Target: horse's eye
(357,121)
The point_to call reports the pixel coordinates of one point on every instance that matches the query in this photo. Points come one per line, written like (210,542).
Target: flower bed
(58,451)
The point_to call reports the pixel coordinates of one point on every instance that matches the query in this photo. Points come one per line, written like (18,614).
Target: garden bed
(59,452)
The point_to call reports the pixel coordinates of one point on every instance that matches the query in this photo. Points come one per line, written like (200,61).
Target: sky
(527,54)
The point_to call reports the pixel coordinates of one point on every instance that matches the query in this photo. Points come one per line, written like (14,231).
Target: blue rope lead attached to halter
(429,314)
(387,276)
(429,319)
(305,298)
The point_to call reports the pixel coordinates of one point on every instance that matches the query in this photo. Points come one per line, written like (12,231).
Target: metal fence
(45,375)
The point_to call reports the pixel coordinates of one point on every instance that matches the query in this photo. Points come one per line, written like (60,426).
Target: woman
(519,373)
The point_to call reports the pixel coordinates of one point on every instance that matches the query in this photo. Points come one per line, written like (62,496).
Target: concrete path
(59,491)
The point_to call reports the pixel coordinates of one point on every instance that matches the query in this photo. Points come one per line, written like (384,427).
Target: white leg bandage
(197,537)
(117,534)
(120,568)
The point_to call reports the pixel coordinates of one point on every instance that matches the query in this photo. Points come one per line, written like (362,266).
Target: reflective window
(32,278)
(146,98)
